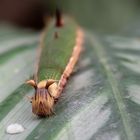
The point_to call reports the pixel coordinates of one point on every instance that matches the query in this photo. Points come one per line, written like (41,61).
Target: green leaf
(101,100)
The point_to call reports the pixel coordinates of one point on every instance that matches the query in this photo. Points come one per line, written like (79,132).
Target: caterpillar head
(44,98)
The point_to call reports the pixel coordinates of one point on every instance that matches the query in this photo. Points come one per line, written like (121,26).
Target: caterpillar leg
(29,98)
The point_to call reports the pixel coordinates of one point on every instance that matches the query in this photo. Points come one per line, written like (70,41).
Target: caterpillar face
(42,102)
(44,98)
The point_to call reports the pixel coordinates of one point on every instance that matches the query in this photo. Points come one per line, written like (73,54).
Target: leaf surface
(100,102)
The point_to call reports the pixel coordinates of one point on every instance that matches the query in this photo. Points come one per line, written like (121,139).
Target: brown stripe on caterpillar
(74,58)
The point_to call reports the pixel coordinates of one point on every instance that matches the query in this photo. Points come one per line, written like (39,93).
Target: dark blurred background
(100,15)
(25,13)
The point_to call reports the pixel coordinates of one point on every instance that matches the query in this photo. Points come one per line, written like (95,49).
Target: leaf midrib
(102,56)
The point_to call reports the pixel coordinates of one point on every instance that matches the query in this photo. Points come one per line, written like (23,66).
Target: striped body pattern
(56,60)
(72,61)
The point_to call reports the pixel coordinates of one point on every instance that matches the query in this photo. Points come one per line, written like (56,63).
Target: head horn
(32,83)
(50,82)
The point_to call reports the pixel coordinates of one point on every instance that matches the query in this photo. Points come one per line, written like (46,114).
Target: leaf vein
(102,56)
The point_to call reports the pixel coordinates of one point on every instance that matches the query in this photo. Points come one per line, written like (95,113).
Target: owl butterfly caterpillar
(56,61)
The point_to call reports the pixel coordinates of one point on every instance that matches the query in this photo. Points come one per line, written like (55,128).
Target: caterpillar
(56,60)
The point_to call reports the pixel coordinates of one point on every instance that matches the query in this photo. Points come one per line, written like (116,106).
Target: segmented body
(72,61)
(58,57)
